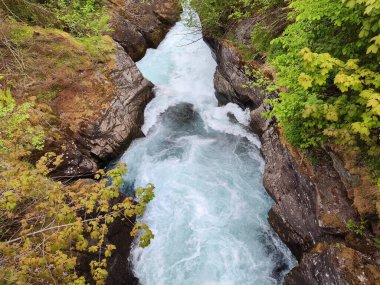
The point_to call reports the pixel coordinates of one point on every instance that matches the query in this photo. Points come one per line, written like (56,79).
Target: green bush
(216,13)
(332,85)
(82,17)
(79,17)
(327,56)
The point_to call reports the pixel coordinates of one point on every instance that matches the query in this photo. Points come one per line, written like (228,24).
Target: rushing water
(209,215)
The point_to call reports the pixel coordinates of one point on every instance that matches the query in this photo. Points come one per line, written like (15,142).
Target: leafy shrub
(332,84)
(45,224)
(18,136)
(357,229)
(82,17)
(294,135)
(216,13)
(79,17)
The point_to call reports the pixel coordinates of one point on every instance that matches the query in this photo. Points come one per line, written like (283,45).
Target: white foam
(210,210)
(217,118)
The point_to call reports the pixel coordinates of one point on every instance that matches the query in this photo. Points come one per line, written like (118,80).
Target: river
(209,215)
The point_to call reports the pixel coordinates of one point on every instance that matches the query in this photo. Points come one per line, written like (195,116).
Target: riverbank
(87,97)
(313,205)
(90,100)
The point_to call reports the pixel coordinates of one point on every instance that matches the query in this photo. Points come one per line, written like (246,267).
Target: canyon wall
(312,205)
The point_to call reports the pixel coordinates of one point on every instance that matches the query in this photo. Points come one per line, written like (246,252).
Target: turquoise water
(209,215)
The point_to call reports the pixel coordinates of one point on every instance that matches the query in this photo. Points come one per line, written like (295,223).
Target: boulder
(101,138)
(294,215)
(334,264)
(121,122)
(231,80)
(138,26)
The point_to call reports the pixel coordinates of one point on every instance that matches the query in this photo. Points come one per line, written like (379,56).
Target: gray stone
(138,26)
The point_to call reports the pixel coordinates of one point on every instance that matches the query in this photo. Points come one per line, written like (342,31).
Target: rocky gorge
(116,120)
(135,28)
(92,100)
(313,201)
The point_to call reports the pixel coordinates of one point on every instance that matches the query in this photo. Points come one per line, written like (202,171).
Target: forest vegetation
(326,60)
(48,226)
(326,57)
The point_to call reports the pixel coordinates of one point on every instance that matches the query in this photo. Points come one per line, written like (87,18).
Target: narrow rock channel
(209,216)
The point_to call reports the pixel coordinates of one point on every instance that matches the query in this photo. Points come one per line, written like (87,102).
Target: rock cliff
(138,25)
(95,140)
(312,204)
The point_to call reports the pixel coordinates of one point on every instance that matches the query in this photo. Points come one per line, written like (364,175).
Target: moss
(374,167)
(332,221)
(98,46)
(47,96)
(21,34)
(65,75)
(320,247)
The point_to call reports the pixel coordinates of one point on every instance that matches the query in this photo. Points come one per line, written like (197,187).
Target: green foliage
(79,17)
(328,61)
(98,46)
(217,17)
(82,17)
(45,224)
(327,56)
(30,11)
(18,135)
(357,229)
(145,237)
(216,13)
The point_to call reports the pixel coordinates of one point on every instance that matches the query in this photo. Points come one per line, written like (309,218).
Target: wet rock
(77,163)
(259,123)
(122,120)
(231,80)
(138,25)
(119,267)
(294,215)
(125,33)
(334,264)
(180,114)
(334,209)
(181,118)
(347,178)
(224,91)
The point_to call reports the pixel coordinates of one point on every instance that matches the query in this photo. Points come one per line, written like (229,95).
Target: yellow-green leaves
(346,81)
(360,114)
(360,128)
(145,233)
(55,221)
(305,80)
(17,134)
(8,200)
(374,48)
(370,23)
